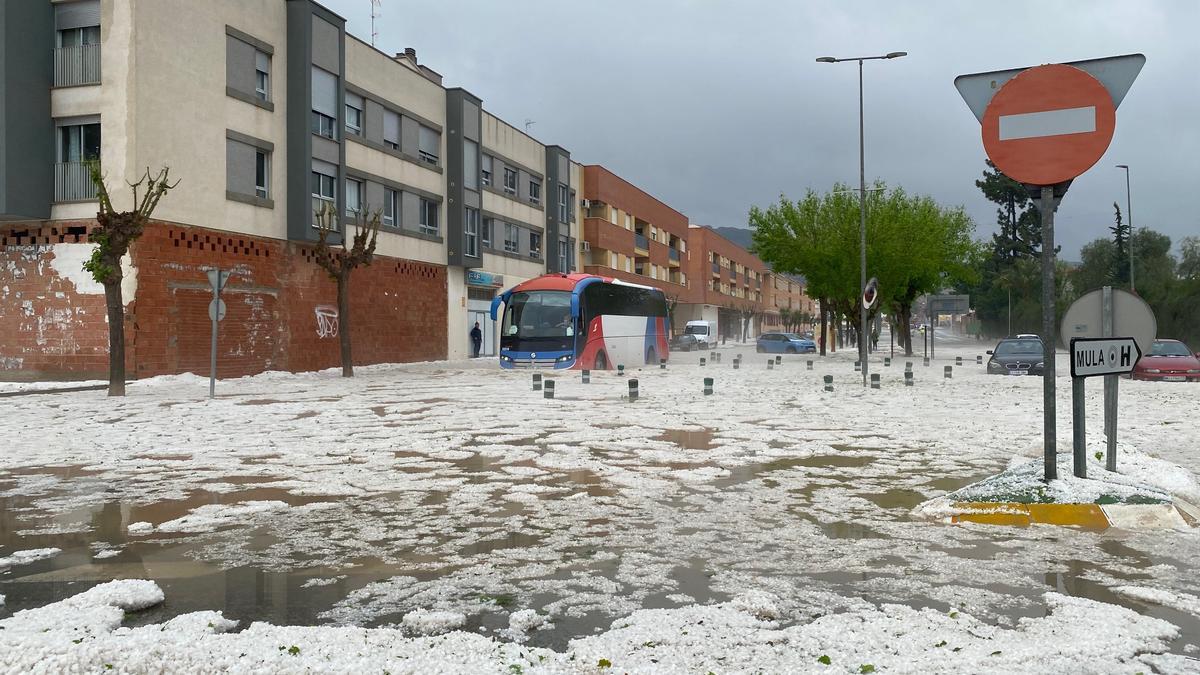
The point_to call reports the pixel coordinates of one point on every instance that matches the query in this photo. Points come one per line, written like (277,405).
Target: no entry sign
(1049,124)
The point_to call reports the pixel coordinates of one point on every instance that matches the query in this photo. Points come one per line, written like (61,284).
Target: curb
(1090,516)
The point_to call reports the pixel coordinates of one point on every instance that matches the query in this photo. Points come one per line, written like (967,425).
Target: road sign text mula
(1103,356)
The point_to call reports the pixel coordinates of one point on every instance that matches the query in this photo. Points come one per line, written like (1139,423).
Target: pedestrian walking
(476,339)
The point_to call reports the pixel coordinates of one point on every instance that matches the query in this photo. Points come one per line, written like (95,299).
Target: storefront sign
(477,278)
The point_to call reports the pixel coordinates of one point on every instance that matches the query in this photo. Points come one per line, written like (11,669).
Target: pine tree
(1020,234)
(1119,273)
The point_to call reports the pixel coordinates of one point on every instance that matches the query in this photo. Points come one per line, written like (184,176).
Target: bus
(581,321)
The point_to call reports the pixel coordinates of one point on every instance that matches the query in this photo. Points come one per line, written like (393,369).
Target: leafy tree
(339,263)
(116,231)
(1189,258)
(1098,260)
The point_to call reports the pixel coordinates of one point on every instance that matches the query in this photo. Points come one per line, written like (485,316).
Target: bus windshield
(538,320)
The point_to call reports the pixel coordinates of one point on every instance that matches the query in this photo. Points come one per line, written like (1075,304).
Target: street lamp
(1129,217)
(862,200)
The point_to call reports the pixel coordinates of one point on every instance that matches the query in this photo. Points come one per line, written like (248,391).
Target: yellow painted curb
(1019,515)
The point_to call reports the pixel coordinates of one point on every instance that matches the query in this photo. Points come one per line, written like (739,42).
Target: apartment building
(267,113)
(633,236)
(785,292)
(728,281)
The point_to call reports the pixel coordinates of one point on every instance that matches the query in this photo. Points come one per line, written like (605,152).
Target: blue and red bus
(581,321)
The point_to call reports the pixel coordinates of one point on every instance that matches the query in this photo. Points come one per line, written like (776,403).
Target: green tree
(1189,258)
(1119,265)
(1098,260)
(1020,234)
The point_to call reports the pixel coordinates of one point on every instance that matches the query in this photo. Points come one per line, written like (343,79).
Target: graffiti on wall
(327,320)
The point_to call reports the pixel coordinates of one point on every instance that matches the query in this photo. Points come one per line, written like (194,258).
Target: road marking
(1048,123)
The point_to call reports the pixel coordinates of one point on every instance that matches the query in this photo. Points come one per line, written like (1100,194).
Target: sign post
(1091,357)
(217,278)
(1044,126)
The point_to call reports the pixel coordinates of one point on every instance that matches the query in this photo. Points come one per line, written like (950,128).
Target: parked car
(705,332)
(1168,361)
(685,342)
(785,343)
(1017,356)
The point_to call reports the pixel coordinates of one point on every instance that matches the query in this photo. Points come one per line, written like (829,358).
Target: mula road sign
(1103,356)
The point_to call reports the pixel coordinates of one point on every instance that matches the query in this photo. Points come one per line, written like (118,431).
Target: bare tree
(115,232)
(672,303)
(747,314)
(339,263)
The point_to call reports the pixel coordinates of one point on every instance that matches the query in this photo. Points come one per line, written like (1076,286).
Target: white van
(705,332)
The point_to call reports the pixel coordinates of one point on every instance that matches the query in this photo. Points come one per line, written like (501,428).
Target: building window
(486,234)
(535,245)
(510,181)
(428,145)
(324,103)
(564,250)
(324,194)
(262,174)
(471,233)
(563,213)
(262,75)
(487,169)
(353,197)
(354,114)
(429,217)
(511,243)
(391,129)
(78,144)
(470,164)
(535,191)
(391,207)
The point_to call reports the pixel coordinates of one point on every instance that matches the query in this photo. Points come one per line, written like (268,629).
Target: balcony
(73,183)
(641,243)
(74,66)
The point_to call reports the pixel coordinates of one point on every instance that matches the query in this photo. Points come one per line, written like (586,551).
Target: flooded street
(461,490)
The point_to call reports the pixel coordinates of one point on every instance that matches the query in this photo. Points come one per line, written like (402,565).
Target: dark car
(1168,361)
(685,342)
(785,343)
(1016,356)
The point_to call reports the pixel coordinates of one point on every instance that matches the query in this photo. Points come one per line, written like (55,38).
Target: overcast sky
(716,106)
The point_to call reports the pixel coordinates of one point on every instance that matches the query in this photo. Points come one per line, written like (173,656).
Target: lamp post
(1129,217)
(862,201)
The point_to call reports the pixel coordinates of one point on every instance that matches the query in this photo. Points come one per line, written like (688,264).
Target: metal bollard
(958,360)
(620,369)
(809,364)
(926,360)
(549,392)
(770,364)
(633,390)
(662,364)
(778,360)
(736,362)
(887,361)
(949,372)
(908,378)
(537,381)
(857,366)
(978,360)
(702,362)
(828,382)
(713,356)
(908,366)
(874,380)
(708,384)
(587,376)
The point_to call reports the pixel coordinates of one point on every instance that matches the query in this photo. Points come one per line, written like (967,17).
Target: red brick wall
(398,308)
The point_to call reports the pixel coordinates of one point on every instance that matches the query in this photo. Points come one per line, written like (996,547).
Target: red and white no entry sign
(1048,124)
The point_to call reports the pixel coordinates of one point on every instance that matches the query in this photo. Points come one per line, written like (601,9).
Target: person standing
(476,339)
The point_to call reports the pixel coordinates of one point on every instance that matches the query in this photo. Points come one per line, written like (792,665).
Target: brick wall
(398,307)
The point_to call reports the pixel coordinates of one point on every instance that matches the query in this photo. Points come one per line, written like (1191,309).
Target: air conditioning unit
(587,203)
(587,246)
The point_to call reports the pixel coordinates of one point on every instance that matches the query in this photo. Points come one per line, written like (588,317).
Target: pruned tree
(339,263)
(746,313)
(672,303)
(115,232)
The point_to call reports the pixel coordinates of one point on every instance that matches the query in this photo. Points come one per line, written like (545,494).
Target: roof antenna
(375,6)
(528,123)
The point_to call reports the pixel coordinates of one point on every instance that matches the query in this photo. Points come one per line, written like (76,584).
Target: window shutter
(354,100)
(428,141)
(391,127)
(324,92)
(77,14)
(262,62)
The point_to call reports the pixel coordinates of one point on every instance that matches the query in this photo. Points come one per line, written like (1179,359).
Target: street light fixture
(1129,217)
(862,199)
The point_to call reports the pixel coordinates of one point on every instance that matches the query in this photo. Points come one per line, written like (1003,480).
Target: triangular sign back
(1116,73)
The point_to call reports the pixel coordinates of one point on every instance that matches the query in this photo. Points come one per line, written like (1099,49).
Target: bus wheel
(601,362)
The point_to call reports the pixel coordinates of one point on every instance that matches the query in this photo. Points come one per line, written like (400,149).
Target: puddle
(261,401)
(689,440)
(306,414)
(897,499)
(851,461)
